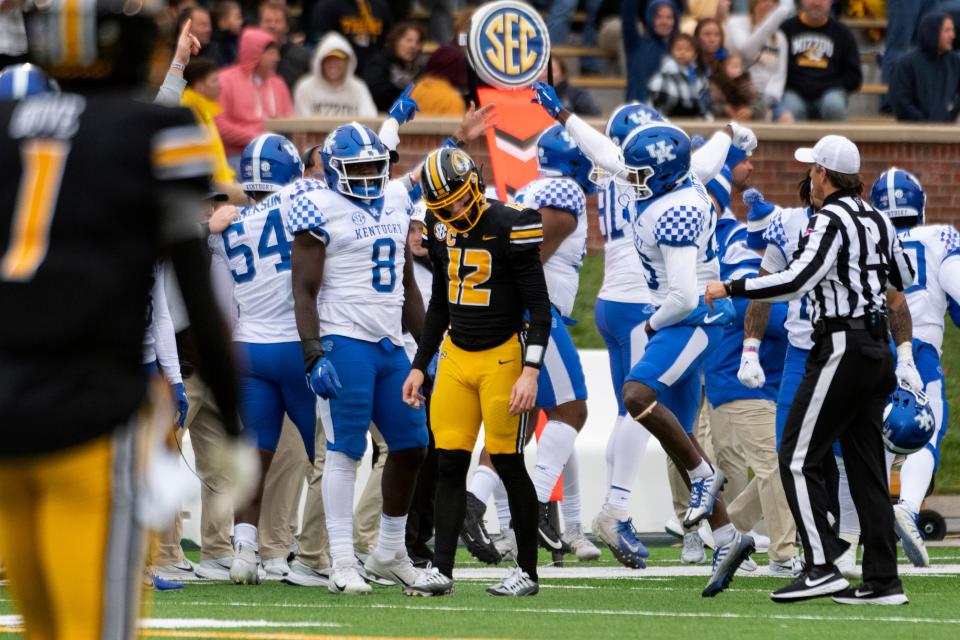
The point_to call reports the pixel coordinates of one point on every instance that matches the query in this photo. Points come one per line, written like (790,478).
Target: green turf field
(948,477)
(647,605)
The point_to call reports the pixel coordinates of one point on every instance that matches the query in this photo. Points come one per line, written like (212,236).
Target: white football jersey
(622,272)
(682,217)
(361,295)
(562,270)
(256,247)
(931,249)
(783,234)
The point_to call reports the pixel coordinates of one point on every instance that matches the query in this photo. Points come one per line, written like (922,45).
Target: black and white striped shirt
(848,258)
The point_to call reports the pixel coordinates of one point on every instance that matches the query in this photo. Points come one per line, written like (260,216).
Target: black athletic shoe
(550,538)
(815,582)
(474,533)
(867,593)
(420,555)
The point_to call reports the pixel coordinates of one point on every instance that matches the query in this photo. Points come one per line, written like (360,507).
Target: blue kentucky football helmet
(657,157)
(559,155)
(908,421)
(355,162)
(899,194)
(21,80)
(268,163)
(628,117)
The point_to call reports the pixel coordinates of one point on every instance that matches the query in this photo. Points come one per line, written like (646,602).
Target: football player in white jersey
(354,290)
(257,249)
(674,236)
(935,250)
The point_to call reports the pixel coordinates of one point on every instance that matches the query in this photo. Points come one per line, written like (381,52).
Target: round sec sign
(509,46)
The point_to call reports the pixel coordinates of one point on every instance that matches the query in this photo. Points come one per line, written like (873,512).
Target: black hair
(845,181)
(198,69)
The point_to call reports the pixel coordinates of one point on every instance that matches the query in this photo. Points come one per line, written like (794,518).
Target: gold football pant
(474,387)
(68,535)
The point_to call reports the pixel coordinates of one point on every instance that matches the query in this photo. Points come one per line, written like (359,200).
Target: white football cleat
(217,569)
(847,562)
(182,570)
(905,523)
(692,552)
(245,567)
(275,568)
(517,583)
(413,581)
(581,545)
(346,579)
(304,575)
(506,543)
(790,568)
(703,495)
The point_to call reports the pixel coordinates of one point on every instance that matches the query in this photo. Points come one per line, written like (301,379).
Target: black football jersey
(488,278)
(84,212)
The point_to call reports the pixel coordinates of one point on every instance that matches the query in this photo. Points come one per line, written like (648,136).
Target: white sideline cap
(835,153)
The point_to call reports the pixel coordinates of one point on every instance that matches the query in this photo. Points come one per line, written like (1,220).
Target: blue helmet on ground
(21,80)
(559,155)
(900,195)
(355,162)
(268,163)
(657,158)
(908,421)
(628,117)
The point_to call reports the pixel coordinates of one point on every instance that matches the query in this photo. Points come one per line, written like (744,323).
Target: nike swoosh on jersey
(485,238)
(550,543)
(818,581)
(708,319)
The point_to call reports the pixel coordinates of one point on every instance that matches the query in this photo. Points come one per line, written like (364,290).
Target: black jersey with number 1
(484,281)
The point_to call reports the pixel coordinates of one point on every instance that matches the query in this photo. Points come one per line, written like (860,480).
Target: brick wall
(776,174)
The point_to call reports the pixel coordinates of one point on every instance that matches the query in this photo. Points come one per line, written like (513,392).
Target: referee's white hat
(835,153)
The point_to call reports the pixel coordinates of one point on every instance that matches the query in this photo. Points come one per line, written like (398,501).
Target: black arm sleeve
(528,272)
(214,362)
(437,319)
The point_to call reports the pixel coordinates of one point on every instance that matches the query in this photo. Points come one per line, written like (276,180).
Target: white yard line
(203,623)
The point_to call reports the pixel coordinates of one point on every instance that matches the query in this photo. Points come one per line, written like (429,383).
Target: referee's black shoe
(815,582)
(868,593)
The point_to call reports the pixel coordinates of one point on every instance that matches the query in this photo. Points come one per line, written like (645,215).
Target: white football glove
(751,373)
(743,138)
(907,373)
(235,461)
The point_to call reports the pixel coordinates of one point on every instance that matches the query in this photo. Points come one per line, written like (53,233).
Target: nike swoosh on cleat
(550,543)
(630,547)
(818,581)
(340,587)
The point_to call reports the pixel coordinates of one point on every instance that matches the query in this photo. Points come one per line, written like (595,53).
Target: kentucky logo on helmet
(508,46)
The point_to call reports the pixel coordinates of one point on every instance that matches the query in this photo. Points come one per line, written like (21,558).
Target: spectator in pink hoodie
(251,91)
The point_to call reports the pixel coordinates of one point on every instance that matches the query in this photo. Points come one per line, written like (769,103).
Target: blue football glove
(183,405)
(404,108)
(323,379)
(546,96)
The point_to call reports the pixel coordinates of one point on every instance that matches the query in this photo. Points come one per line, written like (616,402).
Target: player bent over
(353,288)
(487,271)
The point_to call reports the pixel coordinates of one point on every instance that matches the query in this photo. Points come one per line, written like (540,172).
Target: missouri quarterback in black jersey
(487,274)
(95,187)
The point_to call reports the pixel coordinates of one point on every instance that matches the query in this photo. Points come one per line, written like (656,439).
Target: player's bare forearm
(215,362)
(557,225)
(307,274)
(757,316)
(413,313)
(901,322)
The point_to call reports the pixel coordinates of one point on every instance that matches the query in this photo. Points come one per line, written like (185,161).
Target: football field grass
(603,603)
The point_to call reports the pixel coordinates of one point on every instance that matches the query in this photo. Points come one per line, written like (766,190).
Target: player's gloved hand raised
(404,107)
(183,404)
(546,96)
(751,373)
(323,379)
(743,137)
(907,373)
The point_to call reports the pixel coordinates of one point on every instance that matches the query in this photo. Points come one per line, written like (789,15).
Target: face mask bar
(364,187)
(636,178)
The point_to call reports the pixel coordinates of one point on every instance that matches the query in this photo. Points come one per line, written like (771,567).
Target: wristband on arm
(312,352)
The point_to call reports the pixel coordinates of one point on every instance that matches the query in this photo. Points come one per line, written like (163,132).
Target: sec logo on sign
(509,46)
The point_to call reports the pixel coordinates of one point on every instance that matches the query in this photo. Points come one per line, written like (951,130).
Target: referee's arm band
(533,356)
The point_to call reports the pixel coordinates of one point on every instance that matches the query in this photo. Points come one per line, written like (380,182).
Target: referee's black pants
(848,377)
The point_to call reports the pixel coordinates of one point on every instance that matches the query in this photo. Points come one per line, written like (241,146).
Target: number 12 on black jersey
(476,265)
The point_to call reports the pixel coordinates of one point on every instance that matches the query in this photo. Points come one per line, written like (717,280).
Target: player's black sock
(523,507)
(452,466)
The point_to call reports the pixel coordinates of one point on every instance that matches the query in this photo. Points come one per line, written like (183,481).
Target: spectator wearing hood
(396,65)
(251,91)
(926,82)
(662,22)
(440,91)
(332,89)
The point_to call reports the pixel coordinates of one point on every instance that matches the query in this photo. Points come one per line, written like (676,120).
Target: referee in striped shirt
(846,262)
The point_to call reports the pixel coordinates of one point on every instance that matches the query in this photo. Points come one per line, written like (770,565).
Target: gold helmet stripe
(433,171)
